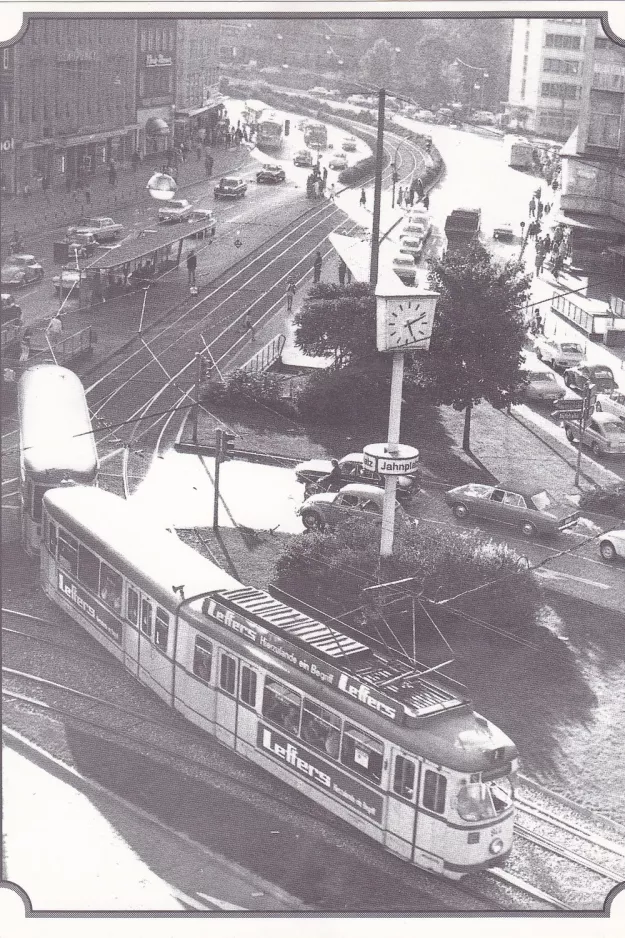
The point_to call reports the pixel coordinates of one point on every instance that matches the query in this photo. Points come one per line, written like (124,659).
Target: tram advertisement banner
(320,774)
(89,607)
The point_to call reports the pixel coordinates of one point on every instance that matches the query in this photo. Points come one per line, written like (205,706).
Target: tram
(56,441)
(316,135)
(269,131)
(398,754)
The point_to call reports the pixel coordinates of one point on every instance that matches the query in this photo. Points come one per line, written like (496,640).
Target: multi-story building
(593,159)
(198,101)
(67,91)
(546,73)
(155,85)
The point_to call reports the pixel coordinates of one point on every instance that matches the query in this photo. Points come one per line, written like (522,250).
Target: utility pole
(218,449)
(198,379)
(377,192)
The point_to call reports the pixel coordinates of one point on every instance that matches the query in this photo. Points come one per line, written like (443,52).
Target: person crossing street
(317,264)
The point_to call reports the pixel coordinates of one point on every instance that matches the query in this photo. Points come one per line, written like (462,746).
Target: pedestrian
(547,243)
(363,198)
(25,345)
(547,208)
(532,207)
(332,192)
(410,198)
(557,266)
(539,261)
(317,188)
(191,267)
(290,293)
(317,264)
(208,165)
(324,176)
(400,196)
(248,326)
(419,186)
(558,235)
(54,327)
(539,209)
(536,326)
(555,185)
(342,272)
(426,201)
(228,138)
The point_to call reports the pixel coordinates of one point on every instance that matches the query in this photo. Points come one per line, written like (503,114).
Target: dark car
(582,375)
(353,470)
(303,158)
(230,187)
(21,269)
(271,172)
(533,510)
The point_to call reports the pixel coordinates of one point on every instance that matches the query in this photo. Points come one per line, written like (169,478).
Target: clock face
(408,323)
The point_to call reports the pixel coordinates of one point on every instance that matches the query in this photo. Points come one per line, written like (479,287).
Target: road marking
(556,575)
(189,900)
(222,904)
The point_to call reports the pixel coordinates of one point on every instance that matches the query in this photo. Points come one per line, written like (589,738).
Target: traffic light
(227,445)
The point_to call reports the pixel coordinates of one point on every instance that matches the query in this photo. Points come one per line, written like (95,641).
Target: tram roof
(56,436)
(146,244)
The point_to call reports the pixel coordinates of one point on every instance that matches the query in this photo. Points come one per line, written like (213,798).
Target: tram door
(131,635)
(400,818)
(226,715)
(430,844)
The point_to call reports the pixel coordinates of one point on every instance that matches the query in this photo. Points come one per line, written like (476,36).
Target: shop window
(362,753)
(88,568)
(161,628)
(321,728)
(68,552)
(282,706)
(404,777)
(434,791)
(132,605)
(146,618)
(249,680)
(110,587)
(203,658)
(228,674)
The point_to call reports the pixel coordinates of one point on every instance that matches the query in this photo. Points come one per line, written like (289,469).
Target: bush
(608,500)
(360,171)
(262,388)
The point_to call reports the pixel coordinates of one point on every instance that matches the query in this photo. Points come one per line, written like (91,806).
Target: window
(549,89)
(132,605)
(527,40)
(604,128)
(524,64)
(434,790)
(203,658)
(321,728)
(68,552)
(562,66)
(362,753)
(88,568)
(600,43)
(228,674)
(249,679)
(52,538)
(161,630)
(497,496)
(146,617)
(282,706)
(5,58)
(110,587)
(557,41)
(523,85)
(512,500)
(404,777)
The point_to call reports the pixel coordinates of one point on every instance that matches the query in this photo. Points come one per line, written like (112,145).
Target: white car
(612,403)
(418,212)
(612,545)
(68,280)
(557,352)
(418,227)
(338,162)
(405,268)
(176,210)
(101,227)
(413,244)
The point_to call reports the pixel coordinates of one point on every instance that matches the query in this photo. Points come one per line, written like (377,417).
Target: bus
(316,135)
(56,443)
(269,131)
(397,753)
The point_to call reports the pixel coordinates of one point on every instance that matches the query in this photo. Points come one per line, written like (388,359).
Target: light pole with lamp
(474,86)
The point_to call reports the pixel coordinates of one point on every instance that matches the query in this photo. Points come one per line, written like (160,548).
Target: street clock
(404,321)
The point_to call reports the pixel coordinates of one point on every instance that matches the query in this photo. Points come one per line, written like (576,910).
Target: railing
(65,351)
(592,322)
(266,356)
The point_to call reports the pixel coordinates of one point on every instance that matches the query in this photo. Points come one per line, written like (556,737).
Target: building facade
(198,101)
(155,86)
(546,74)
(67,91)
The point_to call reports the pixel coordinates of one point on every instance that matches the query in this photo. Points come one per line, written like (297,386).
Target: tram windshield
(479,801)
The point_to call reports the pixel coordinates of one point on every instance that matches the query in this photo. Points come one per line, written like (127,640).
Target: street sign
(403,461)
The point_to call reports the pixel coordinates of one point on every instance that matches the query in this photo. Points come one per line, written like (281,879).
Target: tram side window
(88,568)
(111,587)
(434,791)
(52,538)
(146,618)
(68,552)
(362,753)
(404,776)
(132,605)
(161,628)
(228,674)
(203,658)
(247,691)
(321,728)
(282,706)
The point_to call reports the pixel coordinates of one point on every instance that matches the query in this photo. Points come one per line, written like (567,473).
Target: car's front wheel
(528,528)
(595,448)
(460,510)
(570,435)
(312,521)
(607,551)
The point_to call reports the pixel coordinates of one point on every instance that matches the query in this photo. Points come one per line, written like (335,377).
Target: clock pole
(390,482)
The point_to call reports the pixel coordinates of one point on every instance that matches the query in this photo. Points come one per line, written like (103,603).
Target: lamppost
(474,87)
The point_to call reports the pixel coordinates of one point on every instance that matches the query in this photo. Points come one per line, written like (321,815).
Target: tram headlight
(496,846)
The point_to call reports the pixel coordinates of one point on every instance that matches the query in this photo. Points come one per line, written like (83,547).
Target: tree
(338,321)
(478,333)
(378,65)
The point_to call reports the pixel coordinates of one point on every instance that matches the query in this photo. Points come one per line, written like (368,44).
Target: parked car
(10,310)
(174,211)
(542,385)
(321,92)
(604,434)
(558,353)
(271,172)
(349,144)
(101,227)
(533,510)
(205,215)
(353,500)
(503,232)
(338,162)
(353,470)
(303,158)
(230,187)
(359,99)
(612,544)
(612,403)
(484,117)
(69,279)
(413,244)
(404,266)
(599,375)
(425,115)
(19,270)
(417,225)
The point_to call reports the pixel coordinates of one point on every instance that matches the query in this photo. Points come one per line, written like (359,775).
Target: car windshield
(474,801)
(541,501)
(541,376)
(572,347)
(601,373)
(404,261)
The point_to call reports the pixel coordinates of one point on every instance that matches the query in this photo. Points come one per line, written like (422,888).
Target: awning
(356,252)
(156,126)
(80,139)
(602,224)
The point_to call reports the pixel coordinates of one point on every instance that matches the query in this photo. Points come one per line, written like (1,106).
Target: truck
(521,156)
(462,227)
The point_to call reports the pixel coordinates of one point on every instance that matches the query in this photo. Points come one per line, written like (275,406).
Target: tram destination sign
(90,608)
(319,773)
(280,647)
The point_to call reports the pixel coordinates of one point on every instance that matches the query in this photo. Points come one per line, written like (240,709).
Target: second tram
(269,131)
(56,441)
(399,754)
(316,135)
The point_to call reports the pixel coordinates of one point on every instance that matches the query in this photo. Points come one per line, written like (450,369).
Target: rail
(266,356)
